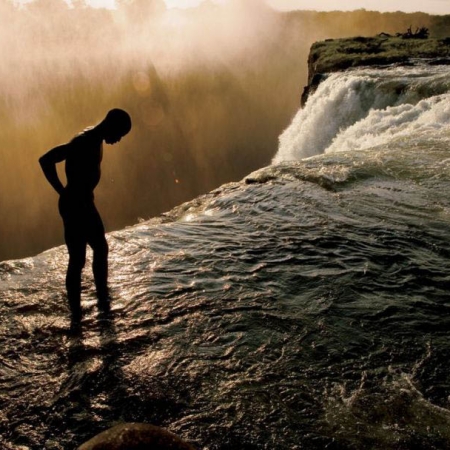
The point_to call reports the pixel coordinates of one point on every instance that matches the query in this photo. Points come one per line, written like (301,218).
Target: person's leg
(99,245)
(77,259)
(76,242)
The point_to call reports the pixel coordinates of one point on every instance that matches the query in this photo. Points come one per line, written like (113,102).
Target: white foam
(362,109)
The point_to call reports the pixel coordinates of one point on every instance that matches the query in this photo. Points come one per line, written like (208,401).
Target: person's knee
(76,262)
(100,249)
(104,248)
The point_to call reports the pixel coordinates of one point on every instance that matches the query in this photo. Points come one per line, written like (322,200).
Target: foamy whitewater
(306,307)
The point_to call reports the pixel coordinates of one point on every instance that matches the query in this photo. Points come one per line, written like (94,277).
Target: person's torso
(83,163)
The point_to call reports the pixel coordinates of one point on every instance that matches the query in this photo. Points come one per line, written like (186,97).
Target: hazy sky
(428,6)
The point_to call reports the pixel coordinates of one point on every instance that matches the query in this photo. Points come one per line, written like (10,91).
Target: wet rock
(312,86)
(135,436)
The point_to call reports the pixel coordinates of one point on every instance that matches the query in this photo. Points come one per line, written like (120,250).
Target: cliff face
(335,55)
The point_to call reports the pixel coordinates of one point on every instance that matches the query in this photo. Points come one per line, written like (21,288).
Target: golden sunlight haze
(205,111)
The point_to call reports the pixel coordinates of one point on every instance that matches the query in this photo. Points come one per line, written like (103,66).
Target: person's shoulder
(83,137)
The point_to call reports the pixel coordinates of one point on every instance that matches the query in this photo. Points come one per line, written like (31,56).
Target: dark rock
(312,86)
(135,436)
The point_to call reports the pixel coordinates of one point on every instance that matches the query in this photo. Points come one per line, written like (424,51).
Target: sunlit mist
(188,3)
(109,4)
(209,89)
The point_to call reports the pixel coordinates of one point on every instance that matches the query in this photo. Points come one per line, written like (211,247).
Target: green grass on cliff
(340,54)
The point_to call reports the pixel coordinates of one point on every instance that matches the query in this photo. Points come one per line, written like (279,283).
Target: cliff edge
(335,55)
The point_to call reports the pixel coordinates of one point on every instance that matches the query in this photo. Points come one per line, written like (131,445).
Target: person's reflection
(112,381)
(71,407)
(110,350)
(95,387)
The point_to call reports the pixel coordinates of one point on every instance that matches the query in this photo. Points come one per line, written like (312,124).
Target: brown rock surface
(135,436)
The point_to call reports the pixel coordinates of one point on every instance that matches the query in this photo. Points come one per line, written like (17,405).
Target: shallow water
(304,308)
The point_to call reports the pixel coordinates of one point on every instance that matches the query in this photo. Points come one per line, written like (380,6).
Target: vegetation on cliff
(340,54)
(334,55)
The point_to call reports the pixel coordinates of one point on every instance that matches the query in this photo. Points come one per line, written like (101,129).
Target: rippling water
(306,307)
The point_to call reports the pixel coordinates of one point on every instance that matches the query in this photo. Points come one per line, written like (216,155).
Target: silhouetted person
(82,223)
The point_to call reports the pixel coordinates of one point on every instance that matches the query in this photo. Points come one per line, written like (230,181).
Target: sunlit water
(304,308)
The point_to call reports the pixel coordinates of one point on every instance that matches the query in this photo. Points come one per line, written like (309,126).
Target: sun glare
(169,3)
(187,3)
(182,3)
(109,4)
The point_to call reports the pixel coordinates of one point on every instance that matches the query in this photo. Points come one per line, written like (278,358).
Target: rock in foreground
(135,436)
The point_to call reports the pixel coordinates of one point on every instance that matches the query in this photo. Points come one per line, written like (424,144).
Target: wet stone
(135,436)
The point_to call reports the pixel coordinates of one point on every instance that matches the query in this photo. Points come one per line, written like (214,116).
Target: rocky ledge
(335,55)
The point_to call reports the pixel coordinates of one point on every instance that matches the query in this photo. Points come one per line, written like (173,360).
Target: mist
(209,90)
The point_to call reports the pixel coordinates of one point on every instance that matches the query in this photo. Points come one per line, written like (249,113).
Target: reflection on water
(285,313)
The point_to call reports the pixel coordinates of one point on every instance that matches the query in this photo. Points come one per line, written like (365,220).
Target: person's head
(115,125)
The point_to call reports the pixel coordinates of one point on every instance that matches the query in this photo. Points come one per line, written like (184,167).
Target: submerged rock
(135,436)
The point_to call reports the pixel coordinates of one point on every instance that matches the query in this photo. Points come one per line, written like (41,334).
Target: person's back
(83,162)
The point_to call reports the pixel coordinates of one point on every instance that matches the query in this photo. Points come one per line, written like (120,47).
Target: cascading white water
(366,108)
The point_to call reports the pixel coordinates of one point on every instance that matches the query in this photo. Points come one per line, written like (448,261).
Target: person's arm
(48,163)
